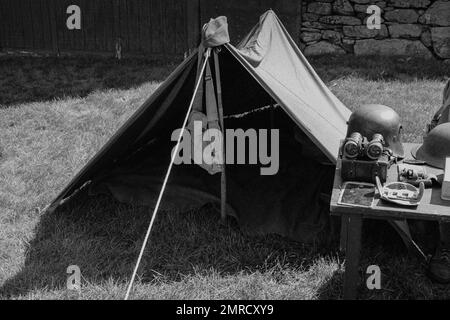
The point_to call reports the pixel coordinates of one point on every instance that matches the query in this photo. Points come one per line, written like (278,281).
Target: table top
(431,207)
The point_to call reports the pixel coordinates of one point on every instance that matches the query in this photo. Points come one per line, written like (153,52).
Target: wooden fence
(144,27)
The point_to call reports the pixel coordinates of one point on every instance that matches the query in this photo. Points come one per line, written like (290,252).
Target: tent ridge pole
(223,177)
(158,202)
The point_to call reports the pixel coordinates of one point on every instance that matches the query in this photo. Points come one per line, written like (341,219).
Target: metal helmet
(371,119)
(443,114)
(435,147)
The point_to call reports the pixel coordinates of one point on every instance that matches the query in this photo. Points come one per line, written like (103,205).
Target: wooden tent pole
(166,178)
(223,177)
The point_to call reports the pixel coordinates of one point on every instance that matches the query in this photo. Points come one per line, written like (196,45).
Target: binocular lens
(351,149)
(375,147)
(352,145)
(374,150)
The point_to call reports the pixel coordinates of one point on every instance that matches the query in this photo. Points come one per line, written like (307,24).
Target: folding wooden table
(431,207)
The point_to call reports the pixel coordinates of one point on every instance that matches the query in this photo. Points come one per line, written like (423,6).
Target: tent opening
(291,202)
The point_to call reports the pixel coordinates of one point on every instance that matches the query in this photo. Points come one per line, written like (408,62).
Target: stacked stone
(408,27)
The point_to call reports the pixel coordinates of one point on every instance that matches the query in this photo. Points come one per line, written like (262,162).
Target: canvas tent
(265,69)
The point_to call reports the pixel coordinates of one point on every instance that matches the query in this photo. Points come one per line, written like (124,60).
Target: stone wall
(408,27)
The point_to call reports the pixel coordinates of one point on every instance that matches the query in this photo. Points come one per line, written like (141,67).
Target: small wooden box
(364,171)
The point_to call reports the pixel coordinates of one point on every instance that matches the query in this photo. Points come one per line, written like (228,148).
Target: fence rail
(147,27)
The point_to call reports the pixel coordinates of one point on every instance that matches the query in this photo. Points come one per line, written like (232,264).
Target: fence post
(193,24)
(53,26)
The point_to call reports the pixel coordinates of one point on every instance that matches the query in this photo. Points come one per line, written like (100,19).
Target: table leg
(344,235)
(352,251)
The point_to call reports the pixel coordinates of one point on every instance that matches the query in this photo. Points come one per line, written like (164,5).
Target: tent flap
(272,57)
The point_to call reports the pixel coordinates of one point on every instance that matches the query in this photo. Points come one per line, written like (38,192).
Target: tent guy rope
(158,202)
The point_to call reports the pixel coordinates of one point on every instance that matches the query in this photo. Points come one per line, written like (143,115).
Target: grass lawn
(56,113)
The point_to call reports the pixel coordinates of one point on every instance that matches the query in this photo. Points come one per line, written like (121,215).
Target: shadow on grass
(104,237)
(402,275)
(333,67)
(31,79)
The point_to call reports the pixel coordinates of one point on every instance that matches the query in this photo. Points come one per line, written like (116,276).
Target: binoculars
(358,147)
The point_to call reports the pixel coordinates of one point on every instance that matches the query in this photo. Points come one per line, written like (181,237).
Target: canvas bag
(204,110)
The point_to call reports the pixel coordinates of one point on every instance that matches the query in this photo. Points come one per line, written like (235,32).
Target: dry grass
(55,114)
